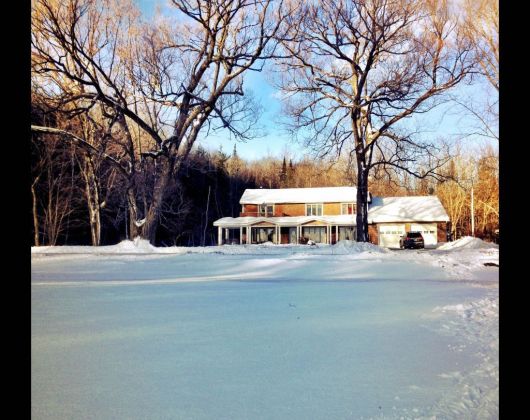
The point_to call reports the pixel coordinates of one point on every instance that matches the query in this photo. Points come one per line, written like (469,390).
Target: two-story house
(328,215)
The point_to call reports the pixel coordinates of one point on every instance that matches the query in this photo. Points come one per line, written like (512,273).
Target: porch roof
(235,222)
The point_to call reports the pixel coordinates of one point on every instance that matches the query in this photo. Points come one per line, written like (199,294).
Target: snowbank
(135,246)
(468,258)
(352,246)
(142,246)
(467,242)
(461,260)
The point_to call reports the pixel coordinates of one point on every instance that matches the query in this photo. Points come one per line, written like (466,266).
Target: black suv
(412,240)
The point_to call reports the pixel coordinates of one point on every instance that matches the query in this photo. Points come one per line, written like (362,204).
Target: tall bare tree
(90,134)
(54,179)
(167,80)
(472,175)
(480,23)
(355,71)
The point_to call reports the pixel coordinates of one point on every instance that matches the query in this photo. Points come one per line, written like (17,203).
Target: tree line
(120,102)
(210,185)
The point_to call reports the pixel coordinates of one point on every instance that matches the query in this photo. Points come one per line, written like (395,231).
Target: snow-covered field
(349,331)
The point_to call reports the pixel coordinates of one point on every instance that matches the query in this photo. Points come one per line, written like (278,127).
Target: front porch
(285,230)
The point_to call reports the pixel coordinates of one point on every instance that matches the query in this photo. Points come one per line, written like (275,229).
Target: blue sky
(447,121)
(275,142)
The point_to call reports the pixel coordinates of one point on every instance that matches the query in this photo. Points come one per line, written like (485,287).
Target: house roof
(382,209)
(345,219)
(407,209)
(299,195)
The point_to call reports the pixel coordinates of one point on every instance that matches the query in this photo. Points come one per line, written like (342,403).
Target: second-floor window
(313,210)
(347,208)
(266,210)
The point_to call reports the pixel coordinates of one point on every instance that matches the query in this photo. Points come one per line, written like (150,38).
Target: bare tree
(471,191)
(79,67)
(480,23)
(90,134)
(356,71)
(52,188)
(486,195)
(168,79)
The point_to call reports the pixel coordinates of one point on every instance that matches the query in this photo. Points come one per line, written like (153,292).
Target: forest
(210,185)
(119,105)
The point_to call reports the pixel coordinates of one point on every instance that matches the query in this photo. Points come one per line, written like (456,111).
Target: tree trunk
(362,204)
(92,195)
(152,216)
(35,216)
(134,229)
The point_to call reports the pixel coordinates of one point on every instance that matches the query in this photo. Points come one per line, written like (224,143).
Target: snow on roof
(407,209)
(299,195)
(345,219)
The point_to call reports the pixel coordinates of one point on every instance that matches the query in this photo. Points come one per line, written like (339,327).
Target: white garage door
(428,231)
(389,235)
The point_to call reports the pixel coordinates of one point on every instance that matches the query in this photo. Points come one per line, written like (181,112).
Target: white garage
(428,231)
(419,213)
(389,235)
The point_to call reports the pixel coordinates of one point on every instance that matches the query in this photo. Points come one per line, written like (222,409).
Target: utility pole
(206,216)
(472,212)
(126,222)
(473,200)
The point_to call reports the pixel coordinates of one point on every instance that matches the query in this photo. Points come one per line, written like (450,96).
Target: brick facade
(373,234)
(441,233)
(283,210)
(332,209)
(289,210)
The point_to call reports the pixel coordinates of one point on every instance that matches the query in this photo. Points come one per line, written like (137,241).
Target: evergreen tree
(283,174)
(290,174)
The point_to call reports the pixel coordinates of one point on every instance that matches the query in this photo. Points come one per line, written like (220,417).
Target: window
(316,234)
(347,208)
(414,234)
(263,234)
(313,210)
(348,233)
(266,210)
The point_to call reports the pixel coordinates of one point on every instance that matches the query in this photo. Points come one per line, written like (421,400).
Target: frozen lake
(303,346)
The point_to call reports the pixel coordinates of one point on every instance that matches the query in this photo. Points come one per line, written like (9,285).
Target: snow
(299,195)
(468,242)
(265,331)
(407,209)
(142,246)
(137,245)
(232,222)
(465,258)
(347,247)
(140,223)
